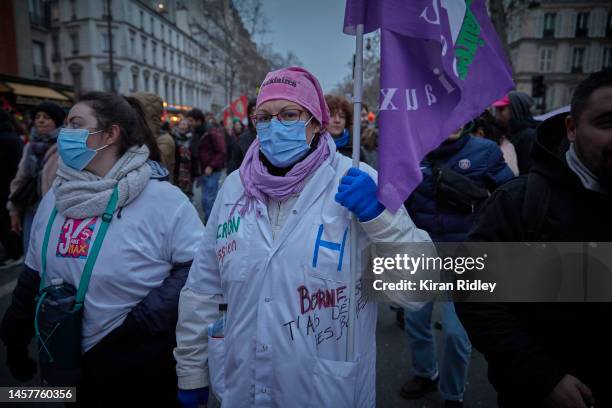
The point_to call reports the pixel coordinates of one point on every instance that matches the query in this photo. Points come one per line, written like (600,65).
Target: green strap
(44,248)
(107,217)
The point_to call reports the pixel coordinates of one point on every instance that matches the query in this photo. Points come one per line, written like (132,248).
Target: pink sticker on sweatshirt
(75,238)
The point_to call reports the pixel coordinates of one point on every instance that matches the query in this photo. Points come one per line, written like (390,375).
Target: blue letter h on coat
(329,245)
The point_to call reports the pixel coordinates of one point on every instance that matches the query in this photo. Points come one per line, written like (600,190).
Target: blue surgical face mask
(283,145)
(72,147)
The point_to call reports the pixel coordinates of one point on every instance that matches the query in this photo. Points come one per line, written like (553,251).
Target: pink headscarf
(296,85)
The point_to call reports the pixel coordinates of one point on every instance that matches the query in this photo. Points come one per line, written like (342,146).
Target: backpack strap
(107,217)
(44,248)
(535,205)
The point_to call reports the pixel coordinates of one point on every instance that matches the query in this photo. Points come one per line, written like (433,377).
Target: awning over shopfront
(22,94)
(33,94)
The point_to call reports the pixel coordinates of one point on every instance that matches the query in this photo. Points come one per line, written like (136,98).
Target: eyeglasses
(287,117)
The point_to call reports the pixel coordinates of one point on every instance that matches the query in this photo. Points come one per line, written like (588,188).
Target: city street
(392,365)
(311,137)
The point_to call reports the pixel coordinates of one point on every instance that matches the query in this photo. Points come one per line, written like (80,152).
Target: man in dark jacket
(197,122)
(11,147)
(513,113)
(481,161)
(212,153)
(478,159)
(553,354)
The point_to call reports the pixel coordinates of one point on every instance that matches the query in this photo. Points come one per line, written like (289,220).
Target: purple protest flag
(441,66)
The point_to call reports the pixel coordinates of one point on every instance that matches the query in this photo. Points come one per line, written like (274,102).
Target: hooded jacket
(531,346)
(153,106)
(479,159)
(522,129)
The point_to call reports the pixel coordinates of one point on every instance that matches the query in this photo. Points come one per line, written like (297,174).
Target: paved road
(392,366)
(393,370)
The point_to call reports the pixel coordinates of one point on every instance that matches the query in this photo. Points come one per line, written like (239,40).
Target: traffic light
(537,86)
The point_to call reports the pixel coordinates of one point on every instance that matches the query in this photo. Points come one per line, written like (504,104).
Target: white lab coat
(287,292)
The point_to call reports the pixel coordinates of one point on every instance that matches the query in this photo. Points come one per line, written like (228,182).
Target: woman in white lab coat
(276,251)
(110,215)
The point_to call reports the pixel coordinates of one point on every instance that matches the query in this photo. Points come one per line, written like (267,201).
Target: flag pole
(357,90)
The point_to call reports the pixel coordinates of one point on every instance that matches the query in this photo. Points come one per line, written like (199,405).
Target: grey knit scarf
(81,194)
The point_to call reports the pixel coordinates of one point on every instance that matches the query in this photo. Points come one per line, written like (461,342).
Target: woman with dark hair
(486,126)
(36,169)
(113,229)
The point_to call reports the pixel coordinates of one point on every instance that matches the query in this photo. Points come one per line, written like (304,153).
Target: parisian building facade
(555,44)
(155,46)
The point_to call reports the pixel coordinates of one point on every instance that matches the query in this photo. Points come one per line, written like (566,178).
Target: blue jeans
(457,349)
(210,187)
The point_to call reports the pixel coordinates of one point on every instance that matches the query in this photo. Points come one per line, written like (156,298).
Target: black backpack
(455,191)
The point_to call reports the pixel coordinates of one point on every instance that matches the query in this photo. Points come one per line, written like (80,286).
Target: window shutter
(597,22)
(572,17)
(596,57)
(588,59)
(539,24)
(560,24)
(568,60)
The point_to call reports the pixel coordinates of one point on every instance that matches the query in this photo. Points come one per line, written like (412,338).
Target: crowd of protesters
(197,152)
(110,160)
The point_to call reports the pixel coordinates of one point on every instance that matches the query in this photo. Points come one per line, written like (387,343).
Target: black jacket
(155,315)
(244,141)
(522,129)
(531,346)
(11,148)
(233,158)
(198,132)
(522,136)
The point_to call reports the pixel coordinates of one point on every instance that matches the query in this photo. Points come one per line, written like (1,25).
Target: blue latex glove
(191,398)
(357,192)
